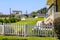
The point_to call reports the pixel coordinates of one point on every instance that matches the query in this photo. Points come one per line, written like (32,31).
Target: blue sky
(23,5)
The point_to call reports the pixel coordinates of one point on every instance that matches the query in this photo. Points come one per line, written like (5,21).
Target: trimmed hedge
(10,20)
(13,39)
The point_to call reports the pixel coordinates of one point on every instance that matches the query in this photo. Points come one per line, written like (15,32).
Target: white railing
(26,30)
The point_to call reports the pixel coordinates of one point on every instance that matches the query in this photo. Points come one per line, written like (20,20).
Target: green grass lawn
(26,38)
(30,22)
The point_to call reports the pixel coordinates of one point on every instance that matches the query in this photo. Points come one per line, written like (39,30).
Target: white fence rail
(26,30)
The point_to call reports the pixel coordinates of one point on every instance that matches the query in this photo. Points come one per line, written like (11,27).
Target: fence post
(3,28)
(26,30)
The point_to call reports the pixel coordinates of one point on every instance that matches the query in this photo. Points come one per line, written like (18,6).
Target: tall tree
(42,11)
(33,14)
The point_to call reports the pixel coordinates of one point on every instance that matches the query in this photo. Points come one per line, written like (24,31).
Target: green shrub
(12,39)
(1,20)
(6,21)
(5,39)
(10,20)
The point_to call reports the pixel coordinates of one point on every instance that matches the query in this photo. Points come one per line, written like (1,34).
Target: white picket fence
(26,30)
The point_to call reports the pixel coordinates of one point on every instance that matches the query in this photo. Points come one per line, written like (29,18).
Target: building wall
(58,3)
(49,2)
(52,11)
(56,15)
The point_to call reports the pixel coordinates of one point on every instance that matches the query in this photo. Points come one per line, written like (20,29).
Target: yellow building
(55,2)
(53,10)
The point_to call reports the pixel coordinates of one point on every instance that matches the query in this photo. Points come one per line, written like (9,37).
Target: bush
(6,21)
(33,14)
(10,20)
(57,26)
(12,39)
(5,39)
(1,20)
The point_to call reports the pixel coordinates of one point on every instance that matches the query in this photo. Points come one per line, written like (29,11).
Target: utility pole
(21,12)
(10,12)
(26,12)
